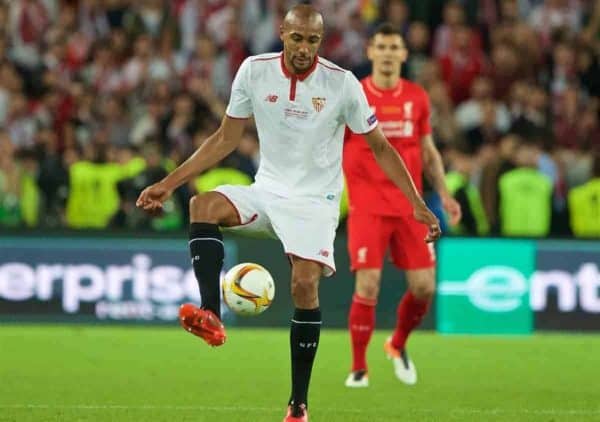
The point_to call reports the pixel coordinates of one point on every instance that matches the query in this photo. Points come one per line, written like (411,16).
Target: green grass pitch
(83,373)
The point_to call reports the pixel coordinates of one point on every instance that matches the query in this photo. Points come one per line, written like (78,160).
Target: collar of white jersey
(301,76)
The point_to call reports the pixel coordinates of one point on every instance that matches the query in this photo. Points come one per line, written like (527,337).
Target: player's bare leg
(361,323)
(411,310)
(304,332)
(207,212)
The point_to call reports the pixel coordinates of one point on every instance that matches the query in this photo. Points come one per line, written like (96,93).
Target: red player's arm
(433,167)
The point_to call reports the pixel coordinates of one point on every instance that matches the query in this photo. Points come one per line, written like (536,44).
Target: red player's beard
(388,68)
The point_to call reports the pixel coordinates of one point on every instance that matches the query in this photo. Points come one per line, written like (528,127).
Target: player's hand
(452,208)
(425,216)
(151,199)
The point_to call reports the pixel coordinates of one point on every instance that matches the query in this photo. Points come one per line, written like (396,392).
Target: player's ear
(403,54)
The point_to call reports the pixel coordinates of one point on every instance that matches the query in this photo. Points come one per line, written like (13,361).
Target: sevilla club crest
(318,103)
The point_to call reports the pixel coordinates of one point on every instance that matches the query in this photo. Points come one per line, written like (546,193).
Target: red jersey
(403,114)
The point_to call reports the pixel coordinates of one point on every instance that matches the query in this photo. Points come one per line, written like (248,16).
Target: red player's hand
(425,216)
(452,208)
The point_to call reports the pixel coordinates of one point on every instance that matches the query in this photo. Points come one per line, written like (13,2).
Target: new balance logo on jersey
(271,98)
(372,119)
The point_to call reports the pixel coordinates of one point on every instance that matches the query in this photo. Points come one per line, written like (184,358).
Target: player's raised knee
(205,208)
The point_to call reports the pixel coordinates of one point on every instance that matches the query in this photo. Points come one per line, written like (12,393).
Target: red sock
(361,322)
(410,313)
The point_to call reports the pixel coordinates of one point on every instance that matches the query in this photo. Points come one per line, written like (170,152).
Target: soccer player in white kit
(301,104)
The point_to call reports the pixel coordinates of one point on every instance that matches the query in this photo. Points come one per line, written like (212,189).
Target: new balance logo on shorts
(271,98)
(324,252)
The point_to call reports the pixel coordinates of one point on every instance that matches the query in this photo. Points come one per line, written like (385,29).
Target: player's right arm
(216,147)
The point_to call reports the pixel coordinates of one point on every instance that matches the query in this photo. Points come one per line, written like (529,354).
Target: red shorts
(369,237)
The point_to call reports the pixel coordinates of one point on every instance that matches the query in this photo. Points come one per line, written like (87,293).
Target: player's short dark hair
(386,28)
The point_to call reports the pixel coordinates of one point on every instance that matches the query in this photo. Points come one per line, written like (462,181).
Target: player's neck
(384,82)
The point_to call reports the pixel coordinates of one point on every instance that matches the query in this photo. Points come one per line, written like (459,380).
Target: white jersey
(301,121)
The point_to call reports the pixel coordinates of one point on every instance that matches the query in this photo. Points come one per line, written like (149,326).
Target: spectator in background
(103,74)
(93,19)
(52,179)
(505,68)
(470,114)
(563,71)
(350,49)
(555,14)
(444,39)
(443,119)
(487,132)
(148,124)
(153,18)
(27,23)
(180,127)
(461,64)
(492,169)
(144,66)
(525,195)
(535,113)
(19,122)
(397,13)
(114,120)
(208,64)
(588,70)
(417,40)
(567,113)
(10,215)
(584,204)
(463,165)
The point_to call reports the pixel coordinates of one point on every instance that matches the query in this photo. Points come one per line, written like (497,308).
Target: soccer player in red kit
(380,217)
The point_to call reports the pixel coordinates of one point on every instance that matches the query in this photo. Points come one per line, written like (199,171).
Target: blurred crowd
(99,98)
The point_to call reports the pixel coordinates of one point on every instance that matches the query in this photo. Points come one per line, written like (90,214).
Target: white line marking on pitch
(573,412)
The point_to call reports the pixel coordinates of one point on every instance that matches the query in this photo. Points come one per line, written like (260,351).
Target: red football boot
(202,323)
(301,414)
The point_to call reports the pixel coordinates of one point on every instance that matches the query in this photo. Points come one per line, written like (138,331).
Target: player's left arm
(433,167)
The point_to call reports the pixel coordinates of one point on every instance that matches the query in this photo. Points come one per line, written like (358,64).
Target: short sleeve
(425,118)
(357,113)
(240,102)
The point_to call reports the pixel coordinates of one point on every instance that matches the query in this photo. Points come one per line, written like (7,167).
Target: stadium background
(99,98)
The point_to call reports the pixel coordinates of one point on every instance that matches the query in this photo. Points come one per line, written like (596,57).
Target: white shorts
(305,226)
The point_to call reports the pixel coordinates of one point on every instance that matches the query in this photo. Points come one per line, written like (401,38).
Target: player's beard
(302,65)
